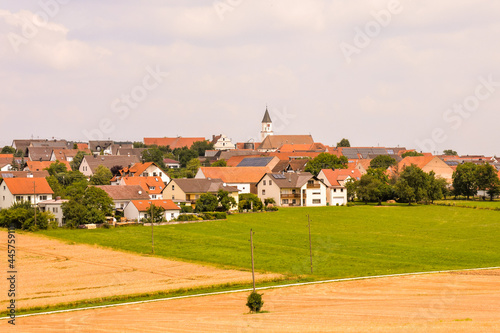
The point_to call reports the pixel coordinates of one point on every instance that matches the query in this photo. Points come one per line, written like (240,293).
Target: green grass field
(347,241)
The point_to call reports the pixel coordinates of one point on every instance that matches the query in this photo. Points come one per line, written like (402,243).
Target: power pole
(34,199)
(310,243)
(152,229)
(253,267)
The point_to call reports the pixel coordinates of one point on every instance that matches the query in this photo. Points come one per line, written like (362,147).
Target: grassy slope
(347,241)
(472,203)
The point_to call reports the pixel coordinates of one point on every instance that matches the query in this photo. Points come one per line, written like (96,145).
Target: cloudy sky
(421,74)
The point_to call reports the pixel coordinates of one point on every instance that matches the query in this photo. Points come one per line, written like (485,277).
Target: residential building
(153,186)
(31,190)
(40,166)
(66,154)
(123,194)
(90,164)
(172,164)
(222,142)
(39,154)
(266,161)
(243,178)
(335,180)
(148,169)
(24,174)
(293,189)
(428,163)
(190,189)
(55,207)
(138,209)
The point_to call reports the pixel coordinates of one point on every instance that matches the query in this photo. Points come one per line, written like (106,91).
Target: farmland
(346,241)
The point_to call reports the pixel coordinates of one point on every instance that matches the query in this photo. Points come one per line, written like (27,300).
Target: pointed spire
(267,118)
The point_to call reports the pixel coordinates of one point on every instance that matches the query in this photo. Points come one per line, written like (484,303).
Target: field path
(445,302)
(51,271)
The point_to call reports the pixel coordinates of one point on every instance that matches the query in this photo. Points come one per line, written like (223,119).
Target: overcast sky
(421,74)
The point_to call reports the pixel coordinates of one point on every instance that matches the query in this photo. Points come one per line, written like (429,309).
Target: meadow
(471,203)
(346,241)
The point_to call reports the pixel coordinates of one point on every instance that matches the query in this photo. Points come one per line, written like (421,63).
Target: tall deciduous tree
(102,176)
(343,143)
(411,154)
(464,180)
(417,180)
(77,160)
(382,161)
(207,203)
(450,152)
(153,155)
(487,178)
(90,207)
(326,161)
(8,150)
(200,146)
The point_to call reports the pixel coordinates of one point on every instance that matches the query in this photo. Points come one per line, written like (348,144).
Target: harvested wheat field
(51,272)
(448,302)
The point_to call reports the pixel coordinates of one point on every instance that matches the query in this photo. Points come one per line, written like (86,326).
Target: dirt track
(51,272)
(465,302)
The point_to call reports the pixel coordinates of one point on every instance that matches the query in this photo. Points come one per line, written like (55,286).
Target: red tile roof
(178,142)
(146,183)
(334,176)
(39,166)
(22,186)
(235,174)
(143,205)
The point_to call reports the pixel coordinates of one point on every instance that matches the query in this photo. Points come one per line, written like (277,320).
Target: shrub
(254,302)
(350,204)
(214,216)
(188,217)
(271,208)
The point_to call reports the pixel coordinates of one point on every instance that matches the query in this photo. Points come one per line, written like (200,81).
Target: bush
(188,217)
(271,208)
(186,209)
(350,204)
(254,302)
(214,216)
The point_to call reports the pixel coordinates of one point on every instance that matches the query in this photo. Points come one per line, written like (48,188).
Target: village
(177,174)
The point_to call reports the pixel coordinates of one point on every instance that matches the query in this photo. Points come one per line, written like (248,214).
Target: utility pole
(34,199)
(253,267)
(310,243)
(152,229)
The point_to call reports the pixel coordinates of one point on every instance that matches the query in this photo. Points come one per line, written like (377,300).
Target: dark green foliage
(214,216)
(8,150)
(91,206)
(56,167)
(102,176)
(199,147)
(154,155)
(450,152)
(413,185)
(188,217)
(77,160)
(465,180)
(411,153)
(207,203)
(344,143)
(269,201)
(326,161)
(382,161)
(487,179)
(155,214)
(225,200)
(254,302)
(186,208)
(249,201)
(219,163)
(22,216)
(184,155)
(115,170)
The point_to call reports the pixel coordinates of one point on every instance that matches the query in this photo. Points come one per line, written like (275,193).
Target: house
(5,166)
(138,209)
(66,154)
(293,165)
(243,178)
(173,143)
(266,161)
(148,169)
(190,189)
(24,174)
(32,190)
(90,164)
(54,207)
(98,146)
(274,142)
(21,145)
(429,163)
(293,189)
(123,194)
(315,147)
(222,142)
(172,164)
(62,144)
(153,186)
(131,151)
(39,153)
(335,180)
(40,166)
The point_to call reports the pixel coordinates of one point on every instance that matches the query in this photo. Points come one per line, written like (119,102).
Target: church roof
(267,118)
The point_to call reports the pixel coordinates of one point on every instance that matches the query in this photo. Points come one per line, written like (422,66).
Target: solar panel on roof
(278,176)
(255,161)
(7,175)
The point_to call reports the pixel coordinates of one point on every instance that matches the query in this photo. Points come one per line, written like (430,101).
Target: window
(310,182)
(173,187)
(334,190)
(4,187)
(172,215)
(173,197)
(151,188)
(43,197)
(285,201)
(153,196)
(316,201)
(160,174)
(264,182)
(294,201)
(19,198)
(270,182)
(4,198)
(341,190)
(154,174)
(263,192)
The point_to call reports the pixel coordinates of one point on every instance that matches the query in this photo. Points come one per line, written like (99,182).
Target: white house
(293,189)
(335,180)
(222,142)
(149,169)
(54,207)
(32,190)
(244,178)
(137,209)
(123,194)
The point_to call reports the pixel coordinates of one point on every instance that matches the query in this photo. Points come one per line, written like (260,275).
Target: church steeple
(267,126)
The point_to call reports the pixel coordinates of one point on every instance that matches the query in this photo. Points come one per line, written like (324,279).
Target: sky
(417,74)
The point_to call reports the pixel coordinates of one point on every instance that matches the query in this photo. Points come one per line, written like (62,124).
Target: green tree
(156,214)
(56,167)
(404,191)
(417,180)
(343,143)
(225,200)
(102,176)
(450,152)
(436,188)
(193,166)
(22,216)
(411,154)
(138,144)
(352,187)
(207,203)
(153,155)
(77,160)
(382,161)
(199,147)
(250,201)
(8,150)
(326,161)
(465,180)
(184,155)
(219,163)
(90,207)
(369,189)
(487,178)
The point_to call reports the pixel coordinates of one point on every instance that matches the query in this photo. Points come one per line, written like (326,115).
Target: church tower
(267,126)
